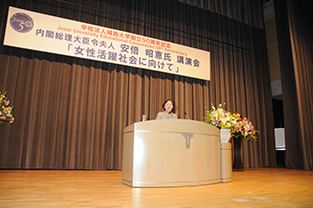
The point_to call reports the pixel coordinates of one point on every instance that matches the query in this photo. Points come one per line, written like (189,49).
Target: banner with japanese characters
(40,32)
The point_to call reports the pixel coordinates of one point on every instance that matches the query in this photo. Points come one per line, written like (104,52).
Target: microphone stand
(187,115)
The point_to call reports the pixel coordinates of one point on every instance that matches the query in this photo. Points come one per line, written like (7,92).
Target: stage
(254,187)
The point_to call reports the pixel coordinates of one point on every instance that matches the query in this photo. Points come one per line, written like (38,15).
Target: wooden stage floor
(255,187)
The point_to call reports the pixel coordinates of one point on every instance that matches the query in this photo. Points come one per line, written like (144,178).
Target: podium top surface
(174,126)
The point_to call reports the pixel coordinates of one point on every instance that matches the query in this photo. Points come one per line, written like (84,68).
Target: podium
(171,153)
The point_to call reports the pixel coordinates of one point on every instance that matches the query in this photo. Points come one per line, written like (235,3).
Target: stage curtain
(295,43)
(248,12)
(70,113)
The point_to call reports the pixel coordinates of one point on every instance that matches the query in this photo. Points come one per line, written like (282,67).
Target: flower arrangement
(244,128)
(221,118)
(240,127)
(6,112)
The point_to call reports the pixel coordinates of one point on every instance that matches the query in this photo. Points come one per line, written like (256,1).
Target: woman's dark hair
(166,102)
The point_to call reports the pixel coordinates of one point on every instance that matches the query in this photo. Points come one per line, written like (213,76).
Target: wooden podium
(169,153)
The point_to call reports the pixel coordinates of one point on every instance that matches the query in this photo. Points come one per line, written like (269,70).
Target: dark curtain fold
(70,113)
(245,11)
(295,50)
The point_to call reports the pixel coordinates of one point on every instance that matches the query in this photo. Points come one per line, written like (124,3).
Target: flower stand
(226,156)
(237,166)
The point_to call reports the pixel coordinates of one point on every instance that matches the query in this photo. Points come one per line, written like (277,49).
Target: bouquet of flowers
(244,128)
(240,127)
(221,118)
(6,112)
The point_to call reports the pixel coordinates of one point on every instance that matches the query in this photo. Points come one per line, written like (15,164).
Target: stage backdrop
(70,112)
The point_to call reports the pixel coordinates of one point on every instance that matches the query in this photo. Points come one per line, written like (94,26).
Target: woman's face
(168,106)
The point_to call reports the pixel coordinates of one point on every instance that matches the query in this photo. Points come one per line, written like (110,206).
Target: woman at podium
(168,106)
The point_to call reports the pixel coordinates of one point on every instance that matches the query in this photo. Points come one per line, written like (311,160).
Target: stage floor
(255,187)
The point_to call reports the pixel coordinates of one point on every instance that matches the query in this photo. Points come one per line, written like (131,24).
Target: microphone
(187,115)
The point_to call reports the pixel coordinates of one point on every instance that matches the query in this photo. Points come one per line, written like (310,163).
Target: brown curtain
(294,31)
(70,113)
(245,11)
